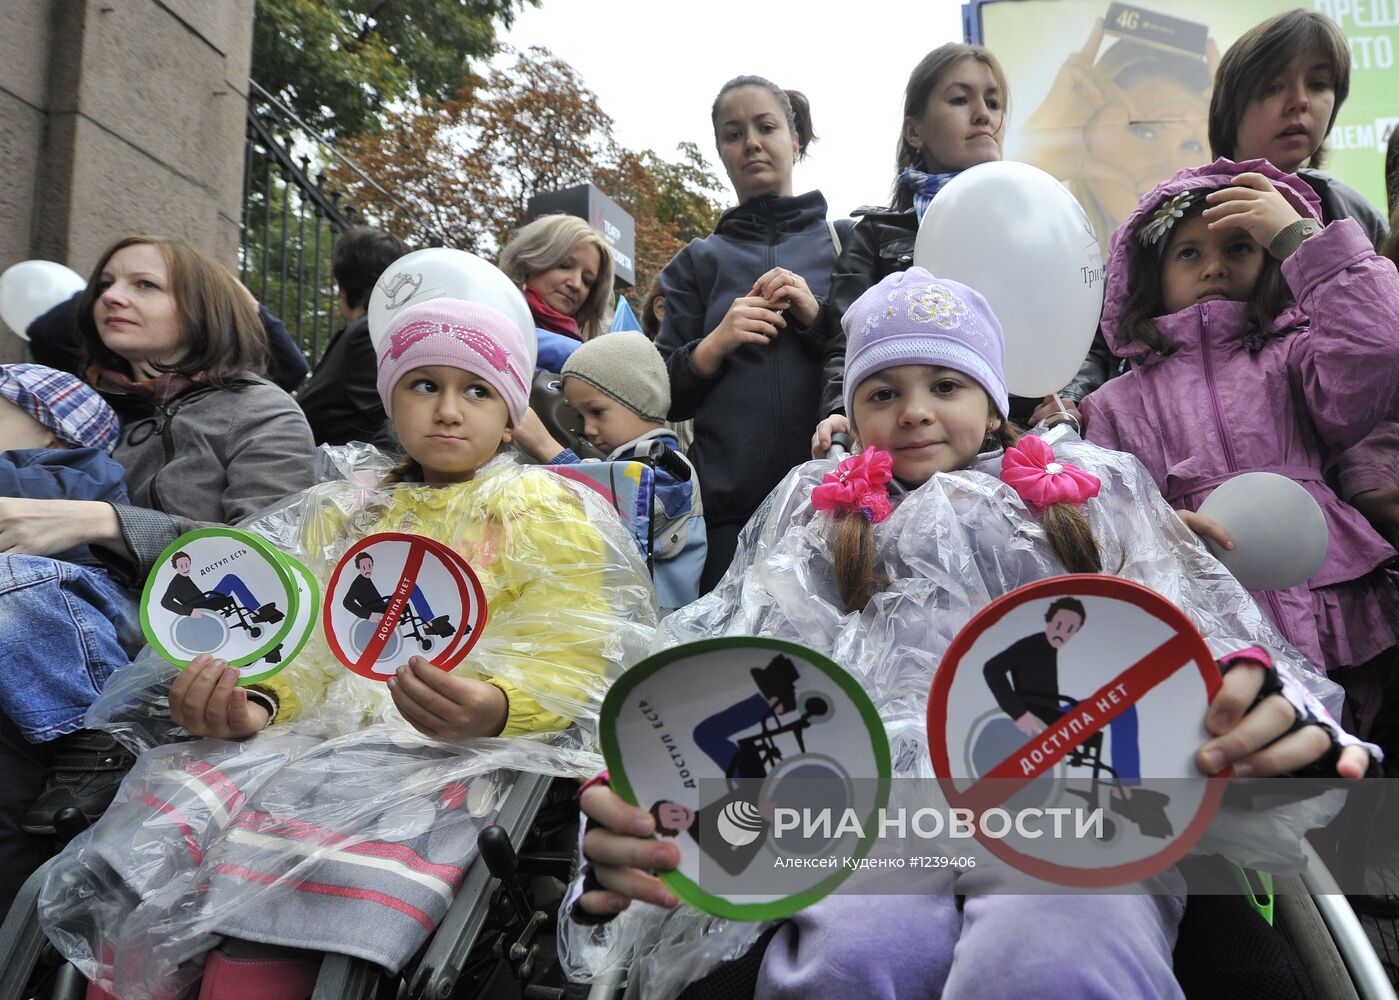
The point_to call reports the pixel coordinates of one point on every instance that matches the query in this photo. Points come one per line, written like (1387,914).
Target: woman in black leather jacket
(742,332)
(954,117)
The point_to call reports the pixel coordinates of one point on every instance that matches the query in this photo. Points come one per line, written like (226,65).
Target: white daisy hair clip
(1166,216)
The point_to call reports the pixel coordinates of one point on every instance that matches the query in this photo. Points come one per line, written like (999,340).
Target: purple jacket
(1234,399)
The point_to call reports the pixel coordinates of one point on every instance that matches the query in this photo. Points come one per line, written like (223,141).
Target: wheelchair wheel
(255,631)
(810,782)
(205,634)
(992,739)
(426,644)
(362,633)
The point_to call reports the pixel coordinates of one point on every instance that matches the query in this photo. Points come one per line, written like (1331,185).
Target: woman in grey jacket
(178,351)
(741,334)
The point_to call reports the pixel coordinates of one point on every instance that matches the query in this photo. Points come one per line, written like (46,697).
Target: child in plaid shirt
(65,622)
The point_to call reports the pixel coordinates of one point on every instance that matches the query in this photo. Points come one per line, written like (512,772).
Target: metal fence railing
(292,219)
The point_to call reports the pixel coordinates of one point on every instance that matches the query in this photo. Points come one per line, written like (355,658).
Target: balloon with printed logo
(1017,236)
(33,287)
(443,273)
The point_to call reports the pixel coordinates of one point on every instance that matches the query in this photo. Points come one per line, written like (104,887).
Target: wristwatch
(1286,242)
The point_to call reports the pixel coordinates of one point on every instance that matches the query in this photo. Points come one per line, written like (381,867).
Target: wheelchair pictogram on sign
(393,596)
(1086,695)
(230,594)
(717,738)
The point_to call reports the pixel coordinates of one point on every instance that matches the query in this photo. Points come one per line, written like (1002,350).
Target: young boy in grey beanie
(618,384)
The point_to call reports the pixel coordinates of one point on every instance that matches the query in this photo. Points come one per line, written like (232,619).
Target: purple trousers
(849,947)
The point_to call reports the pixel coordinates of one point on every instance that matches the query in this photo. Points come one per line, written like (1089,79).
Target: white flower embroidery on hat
(1165,217)
(936,304)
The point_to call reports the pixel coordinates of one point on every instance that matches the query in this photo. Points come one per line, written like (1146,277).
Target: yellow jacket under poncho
(570,604)
(341,828)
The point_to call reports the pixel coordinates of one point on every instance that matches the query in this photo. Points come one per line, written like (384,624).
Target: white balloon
(1017,236)
(33,287)
(1278,529)
(437,273)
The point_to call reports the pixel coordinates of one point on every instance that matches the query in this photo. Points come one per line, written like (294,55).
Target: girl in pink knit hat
(328,811)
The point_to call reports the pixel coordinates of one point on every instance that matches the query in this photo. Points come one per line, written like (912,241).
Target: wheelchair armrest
(442,963)
(21,937)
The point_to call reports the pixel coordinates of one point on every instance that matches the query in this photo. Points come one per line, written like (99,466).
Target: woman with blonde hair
(564,267)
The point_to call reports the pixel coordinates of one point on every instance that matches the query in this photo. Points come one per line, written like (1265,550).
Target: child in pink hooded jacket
(1259,340)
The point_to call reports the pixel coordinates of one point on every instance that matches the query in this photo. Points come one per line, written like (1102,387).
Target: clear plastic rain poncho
(340,827)
(950,547)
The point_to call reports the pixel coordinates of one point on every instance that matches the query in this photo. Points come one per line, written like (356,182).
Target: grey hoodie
(212,456)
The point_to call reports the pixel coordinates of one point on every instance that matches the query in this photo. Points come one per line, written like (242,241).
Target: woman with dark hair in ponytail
(879,563)
(955,107)
(742,329)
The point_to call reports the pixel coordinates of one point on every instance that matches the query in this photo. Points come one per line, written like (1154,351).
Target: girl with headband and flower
(1260,341)
(878,563)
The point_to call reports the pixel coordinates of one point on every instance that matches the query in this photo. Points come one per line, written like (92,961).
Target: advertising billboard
(1112,98)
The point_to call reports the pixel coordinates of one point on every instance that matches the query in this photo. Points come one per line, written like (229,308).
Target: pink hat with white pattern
(465,335)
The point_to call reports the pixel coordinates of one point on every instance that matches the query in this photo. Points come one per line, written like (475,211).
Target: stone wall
(120,116)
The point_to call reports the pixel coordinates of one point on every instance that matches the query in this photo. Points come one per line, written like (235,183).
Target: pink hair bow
(1031,470)
(858,486)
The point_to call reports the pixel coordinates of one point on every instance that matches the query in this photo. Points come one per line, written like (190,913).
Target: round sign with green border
(224,592)
(308,610)
(737,746)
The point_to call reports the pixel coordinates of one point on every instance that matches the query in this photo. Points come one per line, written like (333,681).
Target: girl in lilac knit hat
(880,562)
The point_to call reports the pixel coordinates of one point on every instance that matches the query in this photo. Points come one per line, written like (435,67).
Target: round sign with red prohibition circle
(1065,716)
(393,596)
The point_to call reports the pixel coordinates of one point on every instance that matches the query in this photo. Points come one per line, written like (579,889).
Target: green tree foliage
(339,63)
(687,192)
(670,204)
(469,165)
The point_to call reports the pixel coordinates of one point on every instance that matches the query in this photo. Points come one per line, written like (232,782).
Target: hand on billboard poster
(1078,97)
(1119,119)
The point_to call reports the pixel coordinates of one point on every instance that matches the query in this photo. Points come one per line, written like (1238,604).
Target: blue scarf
(924,187)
